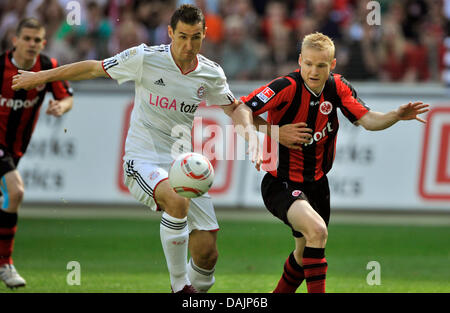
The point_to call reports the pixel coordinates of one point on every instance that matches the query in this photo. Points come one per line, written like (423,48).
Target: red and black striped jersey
(19,110)
(288,100)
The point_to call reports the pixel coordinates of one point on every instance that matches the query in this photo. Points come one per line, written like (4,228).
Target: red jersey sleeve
(351,105)
(270,96)
(60,89)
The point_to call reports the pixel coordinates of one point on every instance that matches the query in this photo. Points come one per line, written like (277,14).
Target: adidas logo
(160,82)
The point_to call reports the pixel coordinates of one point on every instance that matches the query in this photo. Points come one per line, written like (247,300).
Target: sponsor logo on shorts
(296,193)
(153,175)
(266,94)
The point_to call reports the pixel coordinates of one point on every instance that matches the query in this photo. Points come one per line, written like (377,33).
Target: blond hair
(320,42)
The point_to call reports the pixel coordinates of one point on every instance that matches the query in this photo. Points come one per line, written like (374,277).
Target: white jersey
(165,99)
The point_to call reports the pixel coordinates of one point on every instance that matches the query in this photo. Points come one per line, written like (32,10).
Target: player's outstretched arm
(243,120)
(75,71)
(379,121)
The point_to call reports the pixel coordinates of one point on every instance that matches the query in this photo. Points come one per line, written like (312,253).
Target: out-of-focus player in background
(19,112)
(304,104)
(170,83)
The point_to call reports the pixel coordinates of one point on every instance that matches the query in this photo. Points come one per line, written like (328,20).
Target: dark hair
(30,22)
(188,14)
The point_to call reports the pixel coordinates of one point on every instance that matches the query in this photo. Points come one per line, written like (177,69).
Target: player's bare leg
(170,201)
(306,220)
(174,235)
(12,188)
(204,254)
(300,244)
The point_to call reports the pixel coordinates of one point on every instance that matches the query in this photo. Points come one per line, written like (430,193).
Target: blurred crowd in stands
(255,39)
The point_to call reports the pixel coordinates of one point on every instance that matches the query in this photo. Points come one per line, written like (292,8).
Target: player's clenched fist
(294,135)
(25,80)
(55,108)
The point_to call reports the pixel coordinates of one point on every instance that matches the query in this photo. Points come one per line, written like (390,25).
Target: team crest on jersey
(296,193)
(326,107)
(266,94)
(201,91)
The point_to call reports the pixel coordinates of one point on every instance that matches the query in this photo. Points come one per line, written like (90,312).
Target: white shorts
(142,178)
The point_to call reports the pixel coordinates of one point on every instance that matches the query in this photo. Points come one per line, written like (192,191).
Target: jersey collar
(179,68)
(14,62)
(313,93)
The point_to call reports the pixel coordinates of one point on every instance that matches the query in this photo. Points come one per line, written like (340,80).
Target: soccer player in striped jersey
(19,112)
(170,83)
(304,104)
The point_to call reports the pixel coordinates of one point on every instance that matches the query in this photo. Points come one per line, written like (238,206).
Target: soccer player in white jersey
(170,82)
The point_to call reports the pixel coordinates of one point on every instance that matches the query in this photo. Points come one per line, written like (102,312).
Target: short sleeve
(126,65)
(270,96)
(352,106)
(218,92)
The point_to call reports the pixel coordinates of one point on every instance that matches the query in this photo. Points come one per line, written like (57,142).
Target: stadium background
(390,190)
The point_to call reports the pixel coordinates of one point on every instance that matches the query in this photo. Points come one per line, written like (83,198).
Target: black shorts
(279,194)
(7,162)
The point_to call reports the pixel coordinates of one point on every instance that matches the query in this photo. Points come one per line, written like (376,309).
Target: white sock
(202,279)
(174,238)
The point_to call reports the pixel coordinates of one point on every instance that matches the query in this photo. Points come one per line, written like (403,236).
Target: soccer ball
(191,175)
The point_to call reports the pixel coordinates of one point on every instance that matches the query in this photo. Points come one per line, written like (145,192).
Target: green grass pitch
(125,255)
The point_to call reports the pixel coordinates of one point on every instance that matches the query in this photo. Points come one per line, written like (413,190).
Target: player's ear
(204,32)
(333,64)
(170,31)
(299,59)
(14,41)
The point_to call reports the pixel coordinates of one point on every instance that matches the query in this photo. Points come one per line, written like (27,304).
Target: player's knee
(170,202)
(15,197)
(207,257)
(175,206)
(16,194)
(212,257)
(318,234)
